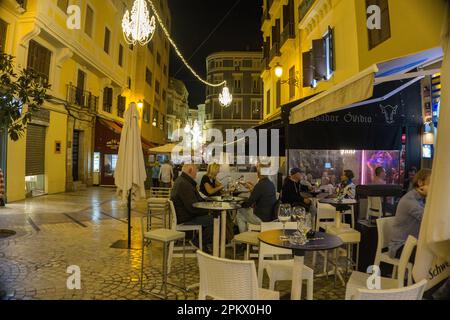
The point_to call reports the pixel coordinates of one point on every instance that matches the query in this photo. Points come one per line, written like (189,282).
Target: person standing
(155,175)
(166,175)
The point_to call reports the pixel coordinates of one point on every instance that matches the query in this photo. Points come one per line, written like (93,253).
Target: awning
(117,128)
(166,149)
(361,86)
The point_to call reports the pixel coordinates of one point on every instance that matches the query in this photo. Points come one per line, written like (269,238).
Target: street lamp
(291,81)
(140,104)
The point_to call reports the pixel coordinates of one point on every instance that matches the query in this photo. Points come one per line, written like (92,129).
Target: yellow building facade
(94,74)
(289,28)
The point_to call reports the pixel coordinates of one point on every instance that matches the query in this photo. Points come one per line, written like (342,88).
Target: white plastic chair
(414,292)
(384,237)
(249,238)
(174,250)
(326,215)
(157,206)
(224,279)
(374,207)
(280,270)
(358,280)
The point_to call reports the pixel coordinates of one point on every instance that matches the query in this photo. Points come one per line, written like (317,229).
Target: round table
(219,211)
(320,242)
(226,199)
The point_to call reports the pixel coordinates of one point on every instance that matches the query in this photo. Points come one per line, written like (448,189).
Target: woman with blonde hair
(209,185)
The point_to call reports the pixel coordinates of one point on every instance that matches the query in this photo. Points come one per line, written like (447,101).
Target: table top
(334,201)
(216,206)
(226,199)
(321,241)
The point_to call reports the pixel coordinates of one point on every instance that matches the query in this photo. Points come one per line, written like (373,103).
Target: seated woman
(347,189)
(209,185)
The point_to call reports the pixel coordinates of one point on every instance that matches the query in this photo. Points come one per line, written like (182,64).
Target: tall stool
(166,237)
(157,208)
(349,237)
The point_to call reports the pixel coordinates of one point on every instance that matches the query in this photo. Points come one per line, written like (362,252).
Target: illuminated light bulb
(225,98)
(279,71)
(138,27)
(140,104)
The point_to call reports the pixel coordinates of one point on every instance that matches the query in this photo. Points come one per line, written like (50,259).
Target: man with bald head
(184,195)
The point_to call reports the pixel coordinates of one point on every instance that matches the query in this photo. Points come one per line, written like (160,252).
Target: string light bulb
(138,27)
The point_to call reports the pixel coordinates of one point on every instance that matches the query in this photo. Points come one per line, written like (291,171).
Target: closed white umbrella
(433,251)
(130,174)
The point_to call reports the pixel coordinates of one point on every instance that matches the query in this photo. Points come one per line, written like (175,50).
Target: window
(120,55)
(237,85)
(164,95)
(107,99)
(39,58)
(121,102)
(292,78)
(378,36)
(63,4)
(148,77)
(3,28)
(89,23)
(107,40)
(158,59)
(157,86)
(228,63)
(278,102)
(256,110)
(308,70)
(155,118)
(129,82)
(247,63)
(268,102)
(165,70)
(237,110)
(146,113)
(256,85)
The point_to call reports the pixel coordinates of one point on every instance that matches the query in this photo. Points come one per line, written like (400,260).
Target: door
(35,160)
(75,155)
(80,87)
(108,162)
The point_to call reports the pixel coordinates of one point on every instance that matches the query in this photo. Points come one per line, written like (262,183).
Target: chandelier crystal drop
(138,27)
(225,98)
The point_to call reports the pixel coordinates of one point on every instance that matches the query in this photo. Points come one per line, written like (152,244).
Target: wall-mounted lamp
(140,104)
(291,81)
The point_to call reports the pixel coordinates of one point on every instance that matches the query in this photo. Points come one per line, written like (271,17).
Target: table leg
(216,240)
(223,233)
(297,275)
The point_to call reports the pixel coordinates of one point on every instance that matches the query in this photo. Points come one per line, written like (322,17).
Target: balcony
(287,34)
(274,52)
(304,8)
(81,98)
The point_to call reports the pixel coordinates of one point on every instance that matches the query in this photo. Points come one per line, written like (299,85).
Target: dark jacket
(263,199)
(184,195)
(291,194)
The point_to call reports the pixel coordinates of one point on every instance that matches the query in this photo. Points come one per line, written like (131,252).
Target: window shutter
(35,150)
(320,59)
(308,71)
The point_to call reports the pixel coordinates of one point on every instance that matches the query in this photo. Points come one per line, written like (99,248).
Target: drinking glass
(284,215)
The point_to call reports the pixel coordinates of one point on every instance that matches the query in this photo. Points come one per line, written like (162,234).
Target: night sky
(193,20)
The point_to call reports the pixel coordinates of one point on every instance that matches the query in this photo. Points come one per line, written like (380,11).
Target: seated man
(291,192)
(409,214)
(184,195)
(259,207)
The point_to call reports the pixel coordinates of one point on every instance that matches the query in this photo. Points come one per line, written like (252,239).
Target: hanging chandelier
(138,28)
(225,98)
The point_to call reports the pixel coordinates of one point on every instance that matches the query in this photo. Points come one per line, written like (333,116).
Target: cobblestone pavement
(57,231)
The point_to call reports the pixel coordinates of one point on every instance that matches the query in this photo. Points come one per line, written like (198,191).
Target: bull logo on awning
(389,113)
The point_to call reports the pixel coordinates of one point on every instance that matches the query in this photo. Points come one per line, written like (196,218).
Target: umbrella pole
(129,219)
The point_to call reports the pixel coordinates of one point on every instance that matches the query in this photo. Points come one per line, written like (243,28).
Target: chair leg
(325,264)
(335,265)
(200,239)
(184,263)
(314,259)
(357,257)
(234,249)
(247,253)
(410,280)
(142,264)
(310,289)
(260,272)
(394,272)
(271,284)
(164,286)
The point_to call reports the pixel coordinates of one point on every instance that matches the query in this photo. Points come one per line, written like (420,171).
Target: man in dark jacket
(291,192)
(261,204)
(184,195)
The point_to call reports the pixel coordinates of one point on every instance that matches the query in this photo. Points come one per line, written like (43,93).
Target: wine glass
(299,216)
(284,215)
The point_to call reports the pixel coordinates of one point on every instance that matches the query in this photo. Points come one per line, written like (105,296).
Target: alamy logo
(374,20)
(74,280)
(389,113)
(73,17)
(374,280)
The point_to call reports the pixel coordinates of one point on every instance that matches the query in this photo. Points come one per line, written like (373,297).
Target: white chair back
(324,212)
(414,292)
(225,279)
(172,215)
(410,244)
(374,207)
(384,236)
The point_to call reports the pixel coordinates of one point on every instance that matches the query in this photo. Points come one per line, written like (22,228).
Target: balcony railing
(274,52)
(288,33)
(265,16)
(303,9)
(81,98)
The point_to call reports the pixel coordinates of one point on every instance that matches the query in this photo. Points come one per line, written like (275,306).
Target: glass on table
(298,215)
(284,216)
